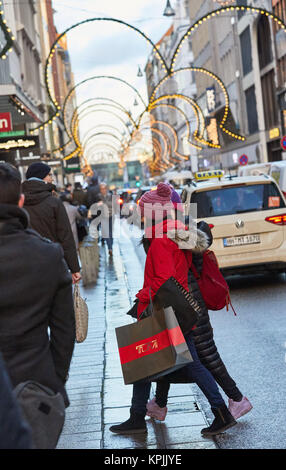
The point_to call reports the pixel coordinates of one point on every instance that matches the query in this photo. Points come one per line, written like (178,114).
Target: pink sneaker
(239,408)
(154,411)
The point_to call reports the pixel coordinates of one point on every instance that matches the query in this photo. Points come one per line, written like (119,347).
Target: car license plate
(242,240)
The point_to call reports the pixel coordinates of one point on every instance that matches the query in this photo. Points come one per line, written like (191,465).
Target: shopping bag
(81,315)
(152,347)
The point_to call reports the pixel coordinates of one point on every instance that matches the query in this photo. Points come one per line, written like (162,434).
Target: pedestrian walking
(165,259)
(73,215)
(47,213)
(79,195)
(37,321)
(14,430)
(107,206)
(92,192)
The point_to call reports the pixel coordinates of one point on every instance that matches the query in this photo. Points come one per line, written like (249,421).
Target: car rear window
(237,199)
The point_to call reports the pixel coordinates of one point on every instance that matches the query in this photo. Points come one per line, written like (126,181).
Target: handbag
(81,315)
(186,307)
(152,347)
(44,411)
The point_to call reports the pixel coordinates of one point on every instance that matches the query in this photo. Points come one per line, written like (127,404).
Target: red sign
(283,142)
(243,160)
(5,122)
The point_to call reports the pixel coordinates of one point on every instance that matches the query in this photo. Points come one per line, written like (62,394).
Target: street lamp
(169,11)
(135,103)
(139,73)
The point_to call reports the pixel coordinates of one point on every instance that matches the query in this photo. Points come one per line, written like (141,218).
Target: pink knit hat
(156,203)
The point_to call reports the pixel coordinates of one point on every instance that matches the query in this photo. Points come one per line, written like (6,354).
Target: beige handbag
(81,315)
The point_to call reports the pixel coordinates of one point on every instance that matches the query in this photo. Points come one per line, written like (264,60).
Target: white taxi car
(247,216)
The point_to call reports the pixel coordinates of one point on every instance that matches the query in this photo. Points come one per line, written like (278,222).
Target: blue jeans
(197,373)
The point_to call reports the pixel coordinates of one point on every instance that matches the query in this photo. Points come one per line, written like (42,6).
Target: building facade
(23,95)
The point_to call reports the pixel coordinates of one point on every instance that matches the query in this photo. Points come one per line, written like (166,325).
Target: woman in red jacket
(165,258)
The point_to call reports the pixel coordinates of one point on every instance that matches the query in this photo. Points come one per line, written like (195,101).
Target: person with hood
(238,404)
(92,192)
(168,238)
(37,319)
(47,213)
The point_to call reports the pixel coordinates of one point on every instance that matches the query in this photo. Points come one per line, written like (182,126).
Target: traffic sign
(283,142)
(243,159)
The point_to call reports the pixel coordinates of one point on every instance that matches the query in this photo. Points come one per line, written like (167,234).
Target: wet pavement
(96,388)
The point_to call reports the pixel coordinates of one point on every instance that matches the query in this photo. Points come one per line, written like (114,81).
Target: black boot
(134,425)
(223,420)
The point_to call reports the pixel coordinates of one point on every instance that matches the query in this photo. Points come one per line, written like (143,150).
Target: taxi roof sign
(205,175)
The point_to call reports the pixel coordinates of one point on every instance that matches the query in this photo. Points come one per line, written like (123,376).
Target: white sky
(107,48)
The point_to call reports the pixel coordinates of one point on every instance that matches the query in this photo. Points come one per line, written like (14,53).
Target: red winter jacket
(164,259)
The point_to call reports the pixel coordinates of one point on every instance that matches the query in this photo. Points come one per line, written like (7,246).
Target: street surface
(253,347)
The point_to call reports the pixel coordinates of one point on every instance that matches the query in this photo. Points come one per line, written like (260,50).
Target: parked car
(247,216)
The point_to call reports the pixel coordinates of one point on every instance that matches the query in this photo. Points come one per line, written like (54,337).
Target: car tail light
(120,201)
(211,226)
(279,219)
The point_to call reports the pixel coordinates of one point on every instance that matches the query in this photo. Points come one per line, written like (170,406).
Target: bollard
(89,256)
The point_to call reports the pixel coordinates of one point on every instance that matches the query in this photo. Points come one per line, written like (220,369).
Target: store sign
(5,122)
(211,99)
(24,142)
(274,133)
(12,133)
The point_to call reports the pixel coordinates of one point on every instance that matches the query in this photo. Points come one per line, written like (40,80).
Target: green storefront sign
(12,134)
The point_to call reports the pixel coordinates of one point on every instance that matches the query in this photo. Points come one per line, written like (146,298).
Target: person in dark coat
(79,195)
(92,191)
(47,213)
(207,351)
(37,320)
(14,430)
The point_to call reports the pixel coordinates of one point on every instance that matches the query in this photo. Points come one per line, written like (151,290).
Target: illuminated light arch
(164,155)
(54,102)
(109,100)
(96,134)
(174,134)
(221,84)
(101,146)
(197,111)
(215,13)
(199,117)
(75,136)
(177,109)
(96,77)
(105,126)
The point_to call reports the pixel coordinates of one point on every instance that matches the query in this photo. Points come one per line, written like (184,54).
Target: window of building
(264,42)
(251,110)
(269,100)
(245,47)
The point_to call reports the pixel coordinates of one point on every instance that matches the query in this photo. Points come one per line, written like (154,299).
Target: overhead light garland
(9,38)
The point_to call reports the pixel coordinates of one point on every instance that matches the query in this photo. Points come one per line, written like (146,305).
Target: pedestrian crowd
(40,231)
